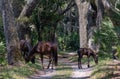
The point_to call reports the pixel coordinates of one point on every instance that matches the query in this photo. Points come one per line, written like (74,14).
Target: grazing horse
(25,48)
(86,51)
(45,48)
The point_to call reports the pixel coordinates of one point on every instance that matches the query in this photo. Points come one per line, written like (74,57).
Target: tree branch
(70,5)
(28,8)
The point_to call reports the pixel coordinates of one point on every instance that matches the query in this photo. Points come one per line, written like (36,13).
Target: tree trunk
(17,6)
(82,11)
(95,15)
(39,31)
(92,15)
(24,32)
(10,31)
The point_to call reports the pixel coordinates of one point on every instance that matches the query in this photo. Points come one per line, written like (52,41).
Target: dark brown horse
(88,52)
(25,47)
(45,48)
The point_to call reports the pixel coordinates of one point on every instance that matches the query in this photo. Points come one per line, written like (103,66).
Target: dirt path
(116,67)
(81,73)
(76,74)
(45,74)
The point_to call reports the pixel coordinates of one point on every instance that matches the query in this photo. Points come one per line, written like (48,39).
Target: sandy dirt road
(76,74)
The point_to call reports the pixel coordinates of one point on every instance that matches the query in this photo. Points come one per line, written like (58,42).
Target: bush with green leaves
(68,42)
(106,36)
(2,53)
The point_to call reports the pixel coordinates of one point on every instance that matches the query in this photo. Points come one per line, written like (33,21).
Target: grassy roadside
(104,70)
(15,72)
(22,72)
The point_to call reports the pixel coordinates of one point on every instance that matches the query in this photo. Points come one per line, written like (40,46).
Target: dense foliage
(56,19)
(68,40)
(46,19)
(108,37)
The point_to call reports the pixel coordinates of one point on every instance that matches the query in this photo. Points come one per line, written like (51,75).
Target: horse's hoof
(79,67)
(52,68)
(88,66)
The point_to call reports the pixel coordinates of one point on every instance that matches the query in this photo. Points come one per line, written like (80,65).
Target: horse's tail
(55,56)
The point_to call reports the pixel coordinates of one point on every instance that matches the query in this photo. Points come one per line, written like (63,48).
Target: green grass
(63,71)
(103,70)
(21,72)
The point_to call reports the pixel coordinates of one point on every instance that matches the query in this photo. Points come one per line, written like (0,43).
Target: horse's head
(30,56)
(26,59)
(26,47)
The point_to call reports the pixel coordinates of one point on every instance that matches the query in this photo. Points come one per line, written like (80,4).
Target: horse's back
(43,47)
(54,45)
(22,43)
(50,45)
(84,51)
(81,50)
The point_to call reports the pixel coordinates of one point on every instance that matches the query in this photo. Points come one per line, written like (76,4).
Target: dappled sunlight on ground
(43,74)
(116,73)
(83,73)
(110,70)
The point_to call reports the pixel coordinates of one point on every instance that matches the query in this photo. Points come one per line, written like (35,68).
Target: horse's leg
(53,58)
(33,60)
(49,62)
(88,61)
(42,60)
(52,61)
(79,63)
(24,55)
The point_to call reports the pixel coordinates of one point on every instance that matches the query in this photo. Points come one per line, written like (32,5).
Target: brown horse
(25,47)
(45,48)
(86,51)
